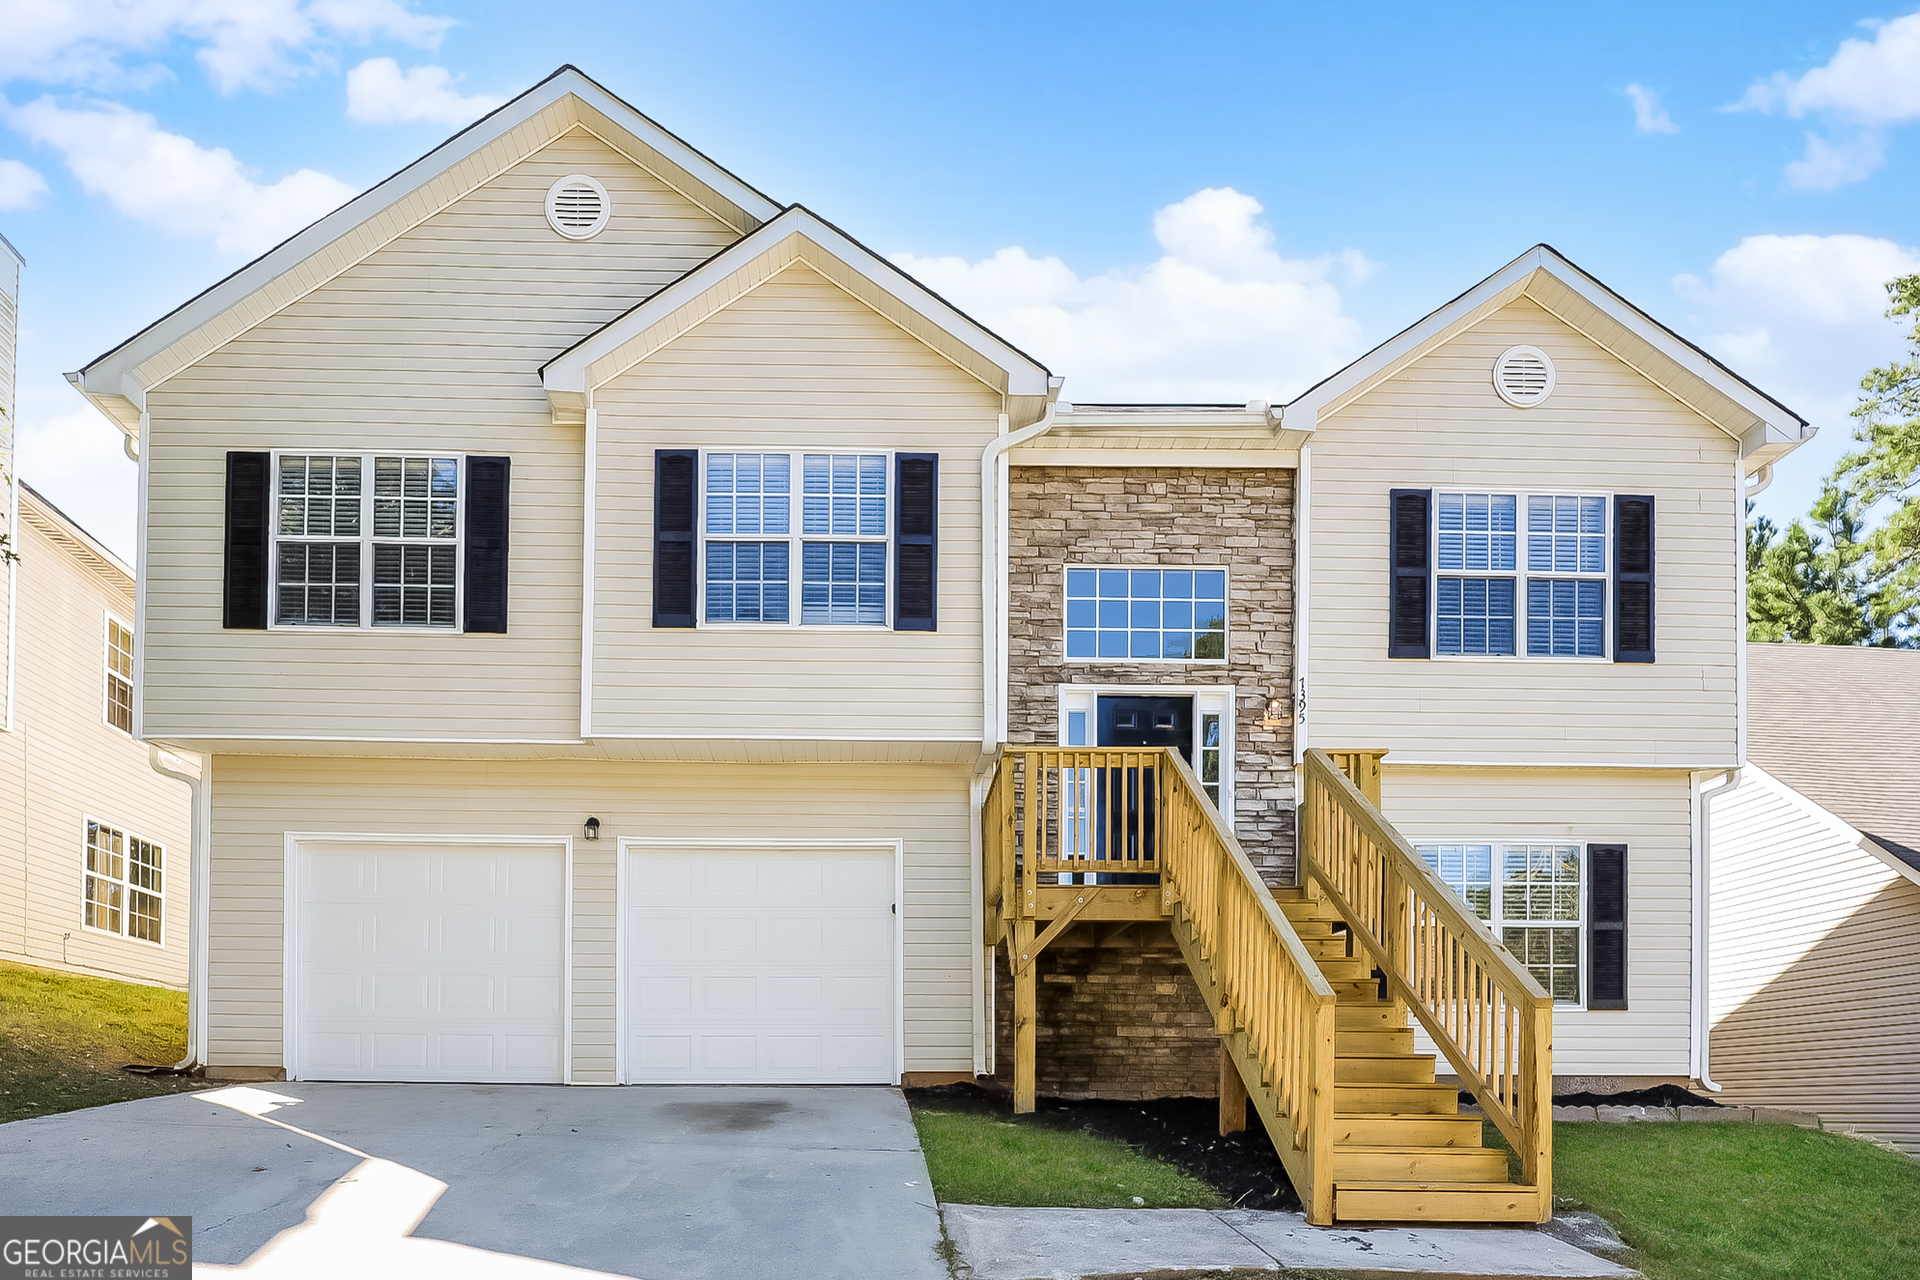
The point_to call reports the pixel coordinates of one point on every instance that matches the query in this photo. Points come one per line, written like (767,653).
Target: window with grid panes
(119,675)
(1530,896)
(1566,576)
(333,530)
(1520,575)
(1153,615)
(749,502)
(124,891)
(843,547)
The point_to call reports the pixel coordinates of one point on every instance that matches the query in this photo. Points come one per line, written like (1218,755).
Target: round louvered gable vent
(577,207)
(1523,376)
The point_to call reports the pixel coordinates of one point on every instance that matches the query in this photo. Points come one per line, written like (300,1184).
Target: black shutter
(1607,926)
(1632,578)
(244,572)
(916,541)
(676,489)
(1408,607)
(489,481)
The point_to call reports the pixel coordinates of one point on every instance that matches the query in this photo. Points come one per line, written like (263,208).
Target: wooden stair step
(1388,1129)
(1398,1099)
(1337,969)
(1349,992)
(1309,930)
(1377,1016)
(1358,1201)
(1351,1040)
(1327,948)
(1381,1068)
(1319,910)
(1419,1164)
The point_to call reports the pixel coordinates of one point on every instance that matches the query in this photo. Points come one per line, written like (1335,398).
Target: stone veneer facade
(1129,1022)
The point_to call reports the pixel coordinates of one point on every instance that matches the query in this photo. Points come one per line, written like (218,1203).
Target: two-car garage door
(446,961)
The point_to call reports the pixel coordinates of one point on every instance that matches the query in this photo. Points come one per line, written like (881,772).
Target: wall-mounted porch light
(593,828)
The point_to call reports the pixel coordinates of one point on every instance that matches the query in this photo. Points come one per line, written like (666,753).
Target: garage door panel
(761,966)
(443,965)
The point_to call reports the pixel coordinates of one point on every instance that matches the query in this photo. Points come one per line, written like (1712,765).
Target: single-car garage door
(761,966)
(428,961)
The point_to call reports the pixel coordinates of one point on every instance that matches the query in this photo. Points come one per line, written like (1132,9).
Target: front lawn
(64,1038)
(1757,1201)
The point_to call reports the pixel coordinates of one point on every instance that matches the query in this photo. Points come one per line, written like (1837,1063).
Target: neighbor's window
(1152,615)
(1479,582)
(124,891)
(119,675)
(1531,896)
(325,539)
(752,541)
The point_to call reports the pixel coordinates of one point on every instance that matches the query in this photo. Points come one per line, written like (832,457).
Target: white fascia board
(1779,425)
(566,374)
(109,375)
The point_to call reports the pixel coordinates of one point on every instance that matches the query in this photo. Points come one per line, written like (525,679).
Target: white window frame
(795,541)
(1226,655)
(127,887)
(1519,575)
(107,651)
(366,540)
(1499,922)
(1207,700)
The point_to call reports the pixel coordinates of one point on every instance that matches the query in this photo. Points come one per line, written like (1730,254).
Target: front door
(1123,804)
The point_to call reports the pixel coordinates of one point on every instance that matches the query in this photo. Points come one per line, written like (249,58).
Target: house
(93,842)
(641,636)
(1816,891)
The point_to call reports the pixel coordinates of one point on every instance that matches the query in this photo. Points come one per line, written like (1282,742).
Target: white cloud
(378,92)
(242,43)
(78,461)
(1648,115)
(1865,87)
(1802,317)
(174,182)
(1220,316)
(20,187)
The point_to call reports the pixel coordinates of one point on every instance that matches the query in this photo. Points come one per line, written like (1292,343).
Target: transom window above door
(1127,614)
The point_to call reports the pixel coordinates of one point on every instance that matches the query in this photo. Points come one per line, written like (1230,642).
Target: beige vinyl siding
(258,799)
(13,866)
(796,364)
(433,342)
(1439,424)
(65,764)
(1650,812)
(1815,959)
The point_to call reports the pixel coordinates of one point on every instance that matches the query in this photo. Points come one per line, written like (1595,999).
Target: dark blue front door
(1123,798)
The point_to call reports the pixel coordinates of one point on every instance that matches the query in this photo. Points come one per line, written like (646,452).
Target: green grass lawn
(64,1038)
(976,1156)
(1754,1201)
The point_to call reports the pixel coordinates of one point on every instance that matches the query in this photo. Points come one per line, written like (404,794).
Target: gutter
(1706,783)
(994,537)
(199,897)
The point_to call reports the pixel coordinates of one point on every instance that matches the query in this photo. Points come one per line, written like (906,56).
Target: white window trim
(109,675)
(1494,925)
(1207,700)
(126,886)
(793,538)
(366,541)
(1221,661)
(1519,576)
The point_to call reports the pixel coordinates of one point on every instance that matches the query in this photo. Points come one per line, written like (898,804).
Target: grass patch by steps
(63,1039)
(1757,1201)
(978,1157)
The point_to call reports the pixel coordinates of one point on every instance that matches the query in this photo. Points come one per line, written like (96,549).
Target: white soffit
(117,382)
(796,237)
(1765,428)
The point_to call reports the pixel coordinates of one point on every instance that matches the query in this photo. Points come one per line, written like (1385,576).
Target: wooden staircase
(1402,1152)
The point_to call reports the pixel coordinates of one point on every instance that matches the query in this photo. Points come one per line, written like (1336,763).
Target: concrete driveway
(662,1183)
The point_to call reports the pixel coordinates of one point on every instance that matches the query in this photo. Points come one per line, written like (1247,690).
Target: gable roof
(1766,429)
(797,236)
(1841,725)
(61,529)
(117,380)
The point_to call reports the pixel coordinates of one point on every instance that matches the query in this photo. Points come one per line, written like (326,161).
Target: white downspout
(993,568)
(1705,784)
(199,897)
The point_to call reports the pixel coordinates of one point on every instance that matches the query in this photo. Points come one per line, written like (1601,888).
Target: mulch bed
(1184,1132)
(1666,1095)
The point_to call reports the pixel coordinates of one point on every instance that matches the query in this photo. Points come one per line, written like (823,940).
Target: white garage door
(430,962)
(763,966)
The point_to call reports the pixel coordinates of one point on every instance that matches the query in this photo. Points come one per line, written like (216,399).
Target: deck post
(1233,1094)
(1026,1028)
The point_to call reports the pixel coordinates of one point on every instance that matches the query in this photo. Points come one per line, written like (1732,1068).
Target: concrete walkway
(517,1182)
(1045,1244)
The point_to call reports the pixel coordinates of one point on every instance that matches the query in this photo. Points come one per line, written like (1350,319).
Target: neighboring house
(1816,890)
(604,593)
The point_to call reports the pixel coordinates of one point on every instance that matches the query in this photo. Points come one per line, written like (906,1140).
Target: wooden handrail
(1484,1011)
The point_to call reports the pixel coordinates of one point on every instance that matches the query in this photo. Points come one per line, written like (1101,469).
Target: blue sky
(1218,202)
